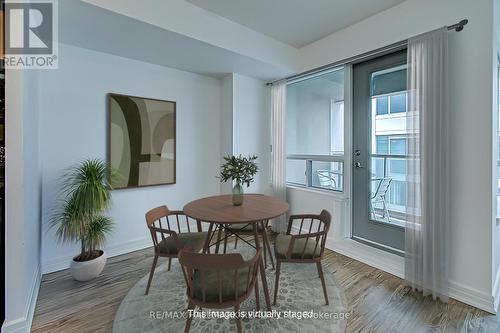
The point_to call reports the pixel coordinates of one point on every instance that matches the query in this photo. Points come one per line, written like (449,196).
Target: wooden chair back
(219,264)
(163,223)
(313,228)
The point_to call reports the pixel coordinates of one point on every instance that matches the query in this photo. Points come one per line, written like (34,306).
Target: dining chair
(171,232)
(247,229)
(218,281)
(305,245)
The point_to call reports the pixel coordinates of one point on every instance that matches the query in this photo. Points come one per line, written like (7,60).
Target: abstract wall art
(142,141)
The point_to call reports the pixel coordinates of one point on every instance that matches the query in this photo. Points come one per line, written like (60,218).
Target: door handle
(358,165)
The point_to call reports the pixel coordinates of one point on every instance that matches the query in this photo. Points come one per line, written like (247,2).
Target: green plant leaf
(240,169)
(85,195)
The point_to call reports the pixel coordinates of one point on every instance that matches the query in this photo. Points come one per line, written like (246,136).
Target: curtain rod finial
(461,24)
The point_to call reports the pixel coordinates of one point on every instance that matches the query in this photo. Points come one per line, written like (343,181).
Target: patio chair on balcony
(380,196)
(327,178)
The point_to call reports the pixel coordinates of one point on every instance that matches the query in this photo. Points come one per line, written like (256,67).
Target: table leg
(267,244)
(219,234)
(209,236)
(262,269)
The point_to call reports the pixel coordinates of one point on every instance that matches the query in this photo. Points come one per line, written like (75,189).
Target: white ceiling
(123,36)
(295,22)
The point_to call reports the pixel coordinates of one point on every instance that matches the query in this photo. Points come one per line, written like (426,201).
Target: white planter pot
(87,270)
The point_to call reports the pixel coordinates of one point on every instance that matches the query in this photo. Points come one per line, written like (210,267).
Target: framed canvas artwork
(142,140)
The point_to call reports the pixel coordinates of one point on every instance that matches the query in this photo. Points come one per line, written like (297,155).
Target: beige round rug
(300,305)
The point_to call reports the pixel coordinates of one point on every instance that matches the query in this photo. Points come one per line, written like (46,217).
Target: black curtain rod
(457,27)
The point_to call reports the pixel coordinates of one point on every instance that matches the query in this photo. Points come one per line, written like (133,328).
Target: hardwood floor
(378,301)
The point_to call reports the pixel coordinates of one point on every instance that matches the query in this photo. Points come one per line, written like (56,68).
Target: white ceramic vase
(87,270)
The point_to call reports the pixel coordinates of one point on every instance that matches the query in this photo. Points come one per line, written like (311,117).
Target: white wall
(245,126)
(73,126)
(251,127)
(227,95)
(470,103)
(22,227)
(306,201)
(495,130)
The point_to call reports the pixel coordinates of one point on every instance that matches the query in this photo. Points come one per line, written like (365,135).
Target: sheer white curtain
(278,135)
(426,234)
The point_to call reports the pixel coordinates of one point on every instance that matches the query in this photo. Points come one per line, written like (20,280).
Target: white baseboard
(23,324)
(471,296)
(394,265)
(371,256)
(60,263)
(496,291)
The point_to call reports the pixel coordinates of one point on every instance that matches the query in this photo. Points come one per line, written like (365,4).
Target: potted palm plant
(241,170)
(85,195)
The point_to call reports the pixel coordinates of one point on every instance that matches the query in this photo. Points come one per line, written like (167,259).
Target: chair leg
(257,301)
(239,327)
(236,242)
(189,318)
(270,252)
(151,273)
(169,263)
(265,251)
(322,277)
(278,267)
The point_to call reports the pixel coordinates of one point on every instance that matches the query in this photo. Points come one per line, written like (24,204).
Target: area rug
(300,304)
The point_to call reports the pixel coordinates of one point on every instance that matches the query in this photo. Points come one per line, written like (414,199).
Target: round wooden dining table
(219,211)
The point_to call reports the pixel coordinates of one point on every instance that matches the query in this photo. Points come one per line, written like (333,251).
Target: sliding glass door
(380,152)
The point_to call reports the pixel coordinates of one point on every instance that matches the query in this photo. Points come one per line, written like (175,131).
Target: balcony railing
(316,171)
(327,172)
(395,167)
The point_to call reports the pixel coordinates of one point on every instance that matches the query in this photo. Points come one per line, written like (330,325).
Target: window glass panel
(397,196)
(389,174)
(377,173)
(327,175)
(315,115)
(377,167)
(296,172)
(389,81)
(398,146)
(337,127)
(382,144)
(398,103)
(397,166)
(382,105)
(315,131)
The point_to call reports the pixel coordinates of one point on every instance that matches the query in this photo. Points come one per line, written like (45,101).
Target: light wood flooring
(378,301)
